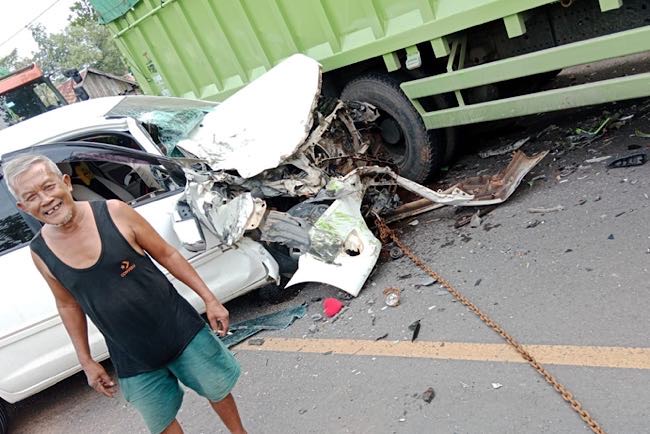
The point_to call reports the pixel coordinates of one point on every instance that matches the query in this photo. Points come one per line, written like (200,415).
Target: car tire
(417,154)
(4,418)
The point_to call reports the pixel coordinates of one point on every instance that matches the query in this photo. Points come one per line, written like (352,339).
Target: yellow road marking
(606,357)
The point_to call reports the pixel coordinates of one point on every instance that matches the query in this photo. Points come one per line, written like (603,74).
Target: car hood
(263,124)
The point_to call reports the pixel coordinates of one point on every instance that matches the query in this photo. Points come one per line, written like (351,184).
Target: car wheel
(4,419)
(417,154)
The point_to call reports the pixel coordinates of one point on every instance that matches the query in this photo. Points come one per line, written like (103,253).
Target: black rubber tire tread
(423,158)
(4,418)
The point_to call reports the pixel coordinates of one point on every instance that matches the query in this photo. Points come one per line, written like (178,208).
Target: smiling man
(95,256)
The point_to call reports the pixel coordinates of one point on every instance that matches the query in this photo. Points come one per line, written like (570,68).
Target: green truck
(429,66)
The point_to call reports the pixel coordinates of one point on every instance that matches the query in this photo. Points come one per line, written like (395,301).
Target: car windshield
(167,120)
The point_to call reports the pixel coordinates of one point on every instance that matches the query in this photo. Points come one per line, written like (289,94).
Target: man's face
(45,195)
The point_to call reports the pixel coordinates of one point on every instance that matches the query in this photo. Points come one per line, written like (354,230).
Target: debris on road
(392,296)
(495,189)
(475,221)
(598,159)
(331,306)
(637,159)
(610,237)
(640,133)
(414,223)
(427,281)
(396,253)
(428,395)
(504,149)
(415,328)
(316,317)
(497,385)
(379,338)
(256,342)
(545,210)
(466,219)
(534,223)
(275,321)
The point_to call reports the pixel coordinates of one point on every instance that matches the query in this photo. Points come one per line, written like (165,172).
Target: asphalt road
(574,281)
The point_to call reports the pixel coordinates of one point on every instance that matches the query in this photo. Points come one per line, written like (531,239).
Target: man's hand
(218,317)
(99,379)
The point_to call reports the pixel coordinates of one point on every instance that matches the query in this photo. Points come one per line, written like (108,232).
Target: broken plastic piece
(415,328)
(637,159)
(343,250)
(274,321)
(331,306)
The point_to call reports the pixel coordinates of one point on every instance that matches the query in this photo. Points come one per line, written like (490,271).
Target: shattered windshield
(167,120)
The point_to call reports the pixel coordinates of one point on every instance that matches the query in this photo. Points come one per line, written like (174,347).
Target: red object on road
(331,306)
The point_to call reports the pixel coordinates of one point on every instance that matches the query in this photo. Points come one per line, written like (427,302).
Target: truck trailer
(430,66)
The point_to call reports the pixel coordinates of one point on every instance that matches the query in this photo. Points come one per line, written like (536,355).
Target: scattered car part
(275,321)
(415,328)
(545,210)
(392,296)
(396,253)
(504,149)
(428,395)
(494,189)
(331,307)
(637,159)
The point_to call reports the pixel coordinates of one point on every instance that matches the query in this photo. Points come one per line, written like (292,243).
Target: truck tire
(4,418)
(407,140)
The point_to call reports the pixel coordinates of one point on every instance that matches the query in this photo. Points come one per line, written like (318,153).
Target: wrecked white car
(274,180)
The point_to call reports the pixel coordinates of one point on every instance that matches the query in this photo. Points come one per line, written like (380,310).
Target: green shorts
(205,366)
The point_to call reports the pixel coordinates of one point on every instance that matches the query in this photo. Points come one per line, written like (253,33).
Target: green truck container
(430,66)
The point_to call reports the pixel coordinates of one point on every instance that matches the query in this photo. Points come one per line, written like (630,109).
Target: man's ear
(67,181)
(21,206)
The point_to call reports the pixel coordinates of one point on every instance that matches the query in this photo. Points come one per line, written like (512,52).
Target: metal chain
(387,234)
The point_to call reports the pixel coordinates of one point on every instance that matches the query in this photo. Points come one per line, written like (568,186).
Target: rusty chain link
(387,234)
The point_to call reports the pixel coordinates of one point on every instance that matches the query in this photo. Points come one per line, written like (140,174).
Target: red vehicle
(26,93)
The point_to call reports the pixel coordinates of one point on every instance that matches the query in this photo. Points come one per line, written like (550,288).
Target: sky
(16,17)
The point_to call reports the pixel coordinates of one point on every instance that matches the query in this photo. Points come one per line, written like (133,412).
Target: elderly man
(95,256)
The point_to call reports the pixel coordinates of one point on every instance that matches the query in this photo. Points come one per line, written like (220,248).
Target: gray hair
(21,164)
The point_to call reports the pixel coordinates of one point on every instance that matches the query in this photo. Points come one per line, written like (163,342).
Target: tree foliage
(83,43)
(12,62)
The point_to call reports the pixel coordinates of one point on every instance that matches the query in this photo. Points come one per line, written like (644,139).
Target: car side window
(14,229)
(131,182)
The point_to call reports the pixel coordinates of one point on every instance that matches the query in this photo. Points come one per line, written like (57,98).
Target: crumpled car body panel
(264,123)
(343,250)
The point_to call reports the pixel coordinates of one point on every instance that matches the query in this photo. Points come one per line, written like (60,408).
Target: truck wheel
(405,137)
(4,419)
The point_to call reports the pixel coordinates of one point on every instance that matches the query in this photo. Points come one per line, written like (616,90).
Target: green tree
(12,62)
(82,13)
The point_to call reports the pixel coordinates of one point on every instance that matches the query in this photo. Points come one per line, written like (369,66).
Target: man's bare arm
(170,258)
(76,325)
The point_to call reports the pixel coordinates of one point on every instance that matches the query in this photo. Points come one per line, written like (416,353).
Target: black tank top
(144,320)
